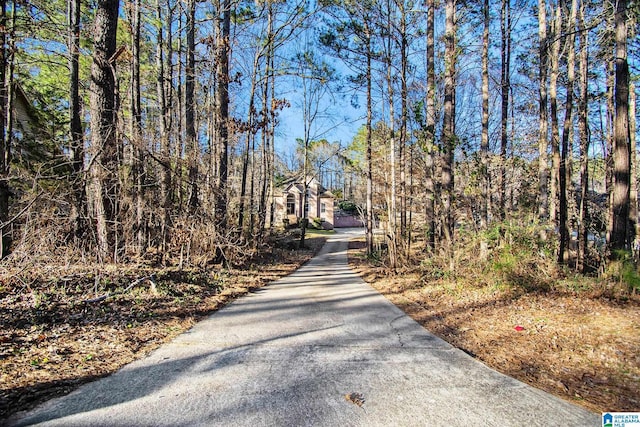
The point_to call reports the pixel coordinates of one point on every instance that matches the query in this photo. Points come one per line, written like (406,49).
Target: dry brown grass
(51,341)
(575,341)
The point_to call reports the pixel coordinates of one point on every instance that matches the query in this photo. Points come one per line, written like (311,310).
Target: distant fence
(346,221)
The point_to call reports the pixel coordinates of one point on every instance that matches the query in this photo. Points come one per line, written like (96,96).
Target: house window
(323,208)
(291,204)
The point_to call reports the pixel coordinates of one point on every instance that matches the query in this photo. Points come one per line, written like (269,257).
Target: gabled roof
(295,183)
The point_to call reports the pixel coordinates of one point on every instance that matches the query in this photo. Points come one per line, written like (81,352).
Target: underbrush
(501,297)
(515,259)
(65,323)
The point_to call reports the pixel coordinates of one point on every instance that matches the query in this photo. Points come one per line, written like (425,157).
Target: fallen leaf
(355,398)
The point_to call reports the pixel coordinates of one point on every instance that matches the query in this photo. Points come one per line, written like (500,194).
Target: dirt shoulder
(582,349)
(52,340)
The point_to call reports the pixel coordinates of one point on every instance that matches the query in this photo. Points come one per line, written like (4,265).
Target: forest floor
(53,337)
(578,346)
(581,347)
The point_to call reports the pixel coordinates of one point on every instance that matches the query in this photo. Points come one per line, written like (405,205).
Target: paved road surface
(288,354)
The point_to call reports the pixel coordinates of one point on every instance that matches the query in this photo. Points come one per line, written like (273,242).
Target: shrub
(348,206)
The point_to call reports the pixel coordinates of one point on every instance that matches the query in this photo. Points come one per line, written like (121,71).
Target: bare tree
(193,148)
(583,126)
(566,131)
(621,233)
(392,209)
(223,49)
(633,208)
(139,150)
(556,30)
(165,123)
(431,126)
(5,147)
(484,141)
(543,127)
(104,104)
(505,87)
(404,113)
(449,138)
(76,132)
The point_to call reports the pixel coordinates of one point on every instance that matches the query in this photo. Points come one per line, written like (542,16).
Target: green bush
(623,271)
(348,206)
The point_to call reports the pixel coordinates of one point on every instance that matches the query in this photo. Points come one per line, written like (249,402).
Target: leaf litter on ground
(70,325)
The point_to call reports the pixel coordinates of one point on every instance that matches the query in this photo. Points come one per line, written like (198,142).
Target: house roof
(295,184)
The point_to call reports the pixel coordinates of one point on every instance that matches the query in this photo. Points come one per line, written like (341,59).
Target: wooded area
(151,128)
(489,148)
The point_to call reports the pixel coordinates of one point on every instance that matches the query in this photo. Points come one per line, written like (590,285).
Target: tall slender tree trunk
(566,132)
(179,119)
(103,127)
(556,30)
(484,140)
(431,127)
(5,149)
(247,148)
(369,213)
(543,126)
(265,178)
(505,85)
(76,132)
(404,112)
(136,129)
(621,234)
(222,113)
(193,150)
(392,209)
(271,81)
(449,118)
(633,209)
(610,73)
(165,119)
(583,126)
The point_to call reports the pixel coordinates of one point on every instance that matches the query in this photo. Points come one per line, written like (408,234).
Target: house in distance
(290,206)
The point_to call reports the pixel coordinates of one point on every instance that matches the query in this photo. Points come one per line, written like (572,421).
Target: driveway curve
(319,347)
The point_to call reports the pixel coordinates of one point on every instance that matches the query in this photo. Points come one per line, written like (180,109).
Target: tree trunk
(369,215)
(402,144)
(76,132)
(505,54)
(392,209)
(621,234)
(136,129)
(247,148)
(222,113)
(165,119)
(265,138)
(103,127)
(583,117)
(610,70)
(484,141)
(431,127)
(556,29)
(566,132)
(193,150)
(271,81)
(633,210)
(449,118)
(543,126)
(5,149)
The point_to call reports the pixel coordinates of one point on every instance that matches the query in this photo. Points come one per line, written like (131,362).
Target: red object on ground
(519,328)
